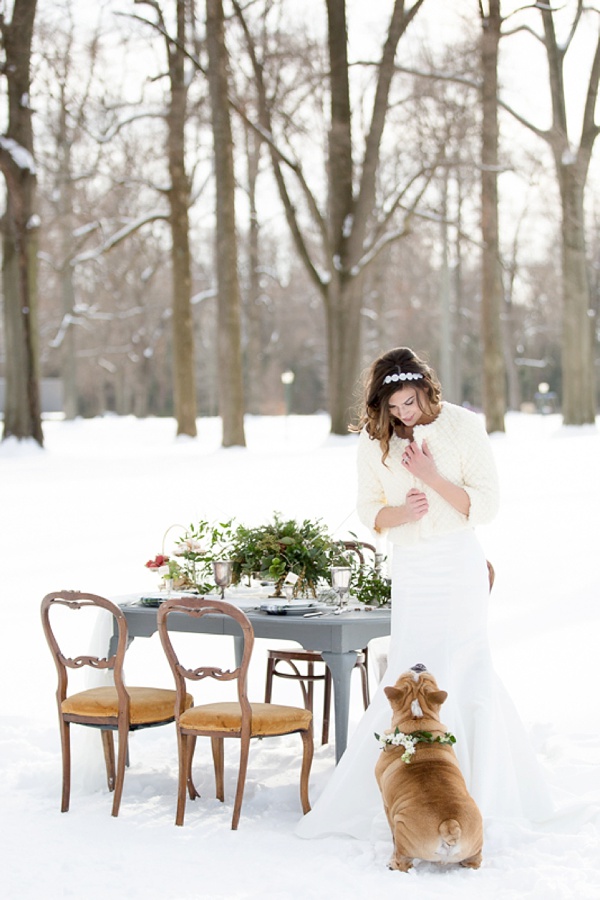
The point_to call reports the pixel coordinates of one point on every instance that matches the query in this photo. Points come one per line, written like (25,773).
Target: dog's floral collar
(397,738)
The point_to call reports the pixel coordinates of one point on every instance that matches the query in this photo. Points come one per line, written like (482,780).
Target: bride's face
(403,405)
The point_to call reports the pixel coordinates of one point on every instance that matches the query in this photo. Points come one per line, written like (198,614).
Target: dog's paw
(400,864)
(473,863)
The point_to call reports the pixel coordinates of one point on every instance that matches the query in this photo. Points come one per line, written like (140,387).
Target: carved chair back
(197,607)
(74,601)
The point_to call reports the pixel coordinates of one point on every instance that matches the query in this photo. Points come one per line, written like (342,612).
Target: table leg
(114,641)
(238,648)
(340,665)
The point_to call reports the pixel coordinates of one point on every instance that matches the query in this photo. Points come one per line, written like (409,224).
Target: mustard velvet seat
(268,719)
(147,706)
(218,721)
(109,708)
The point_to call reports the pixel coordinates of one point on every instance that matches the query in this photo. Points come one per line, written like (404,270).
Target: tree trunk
(184,377)
(231,398)
(22,410)
(343,300)
(342,310)
(457,291)
(578,375)
(572,165)
(67,349)
(65,226)
(512,376)
(254,357)
(578,400)
(448,354)
(494,375)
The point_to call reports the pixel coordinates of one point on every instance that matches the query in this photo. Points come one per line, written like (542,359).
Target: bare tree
(572,162)
(343,240)
(22,414)
(179,201)
(62,123)
(492,299)
(231,400)
(254,351)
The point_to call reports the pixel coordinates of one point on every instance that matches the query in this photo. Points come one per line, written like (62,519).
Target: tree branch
(589,129)
(266,132)
(399,22)
(117,237)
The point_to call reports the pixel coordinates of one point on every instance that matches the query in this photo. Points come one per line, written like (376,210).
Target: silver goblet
(340,581)
(223,572)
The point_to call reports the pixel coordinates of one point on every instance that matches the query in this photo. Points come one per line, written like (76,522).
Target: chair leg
(269,681)
(122,752)
(193,793)
(307,757)
(218,752)
(108,747)
(326,706)
(307,686)
(239,794)
(184,748)
(65,741)
(310,687)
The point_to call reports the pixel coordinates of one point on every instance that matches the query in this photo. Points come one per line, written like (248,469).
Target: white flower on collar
(397,738)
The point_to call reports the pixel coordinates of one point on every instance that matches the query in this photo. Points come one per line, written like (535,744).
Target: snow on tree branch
(20,156)
(117,237)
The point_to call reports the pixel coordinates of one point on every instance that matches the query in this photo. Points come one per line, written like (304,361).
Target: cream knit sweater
(462,453)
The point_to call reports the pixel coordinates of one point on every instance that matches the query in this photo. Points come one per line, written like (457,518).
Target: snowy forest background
(123,152)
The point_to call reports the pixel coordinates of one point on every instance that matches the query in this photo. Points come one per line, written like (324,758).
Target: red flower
(157,562)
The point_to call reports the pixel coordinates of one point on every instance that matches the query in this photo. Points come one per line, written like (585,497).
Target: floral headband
(402,376)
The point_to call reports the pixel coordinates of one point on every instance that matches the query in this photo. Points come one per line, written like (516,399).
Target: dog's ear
(395,695)
(436,697)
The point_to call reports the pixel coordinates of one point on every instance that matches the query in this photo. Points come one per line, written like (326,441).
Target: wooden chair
(233,719)
(110,708)
(312,658)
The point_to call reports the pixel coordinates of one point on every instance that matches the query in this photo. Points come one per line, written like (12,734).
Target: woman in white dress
(426,478)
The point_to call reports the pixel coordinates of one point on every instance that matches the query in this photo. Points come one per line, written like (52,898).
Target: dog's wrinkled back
(429,810)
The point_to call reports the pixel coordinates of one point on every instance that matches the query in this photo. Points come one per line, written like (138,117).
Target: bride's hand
(416,505)
(419,462)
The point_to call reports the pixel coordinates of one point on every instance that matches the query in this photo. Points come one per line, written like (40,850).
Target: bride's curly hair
(375,416)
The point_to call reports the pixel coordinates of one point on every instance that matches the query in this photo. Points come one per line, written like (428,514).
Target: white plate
(291,609)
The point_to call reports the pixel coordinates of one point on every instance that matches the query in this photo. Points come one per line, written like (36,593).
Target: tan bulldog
(431,814)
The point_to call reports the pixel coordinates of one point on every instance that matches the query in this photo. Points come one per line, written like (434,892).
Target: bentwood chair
(108,708)
(230,719)
(315,669)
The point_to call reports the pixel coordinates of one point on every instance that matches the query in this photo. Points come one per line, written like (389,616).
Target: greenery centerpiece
(272,551)
(281,547)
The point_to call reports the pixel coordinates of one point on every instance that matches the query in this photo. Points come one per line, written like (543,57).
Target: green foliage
(270,552)
(282,546)
(370,587)
(367,584)
(191,563)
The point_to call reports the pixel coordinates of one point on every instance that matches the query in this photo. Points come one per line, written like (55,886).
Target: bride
(426,478)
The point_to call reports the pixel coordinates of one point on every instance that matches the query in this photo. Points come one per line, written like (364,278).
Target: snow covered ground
(90,509)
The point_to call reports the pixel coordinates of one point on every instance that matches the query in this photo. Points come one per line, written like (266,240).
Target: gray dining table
(337,637)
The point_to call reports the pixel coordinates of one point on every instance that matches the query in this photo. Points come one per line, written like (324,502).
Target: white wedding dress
(439,618)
